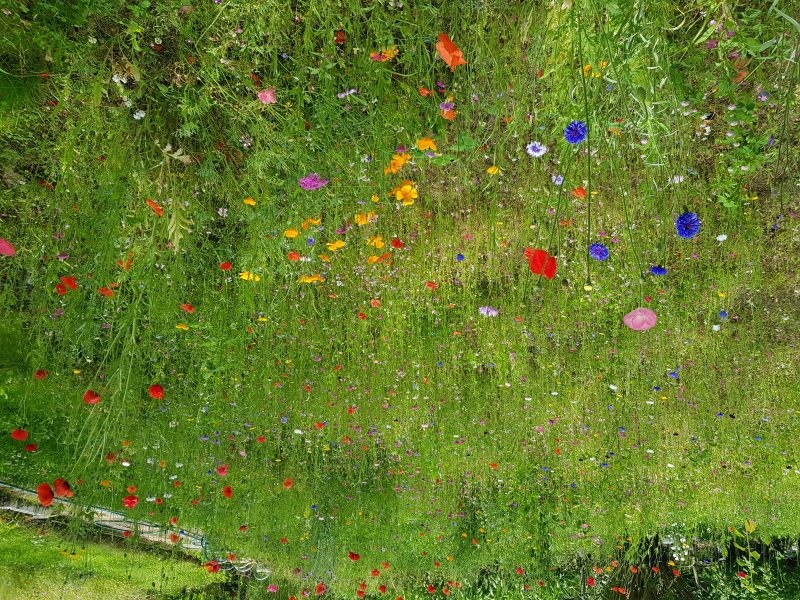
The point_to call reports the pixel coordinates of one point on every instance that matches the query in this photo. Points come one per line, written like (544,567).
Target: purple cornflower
(312,181)
(488,311)
(446,105)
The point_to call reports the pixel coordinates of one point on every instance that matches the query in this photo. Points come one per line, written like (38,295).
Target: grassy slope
(253,346)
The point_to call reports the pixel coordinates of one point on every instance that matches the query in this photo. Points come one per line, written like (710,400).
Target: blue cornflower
(575,132)
(459,257)
(687,225)
(656,270)
(722,314)
(598,251)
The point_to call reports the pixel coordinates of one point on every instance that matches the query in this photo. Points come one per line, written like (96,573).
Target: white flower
(536,149)
(722,237)
(139,115)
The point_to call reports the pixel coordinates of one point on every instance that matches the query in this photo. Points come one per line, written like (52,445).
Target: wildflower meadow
(399,299)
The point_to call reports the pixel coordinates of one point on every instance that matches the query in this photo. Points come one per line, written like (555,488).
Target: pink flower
(6,249)
(267,96)
(272,587)
(640,319)
(222,470)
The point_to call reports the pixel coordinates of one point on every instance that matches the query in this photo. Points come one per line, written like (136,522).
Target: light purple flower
(446,105)
(312,181)
(536,149)
(345,94)
(488,311)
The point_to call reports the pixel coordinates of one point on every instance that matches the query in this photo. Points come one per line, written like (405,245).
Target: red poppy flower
(431,589)
(287,484)
(19,434)
(446,591)
(425,92)
(353,556)
(340,37)
(91,397)
(579,192)
(676,572)
(70,282)
(61,289)
(385,566)
(431,285)
(362,316)
(590,581)
(62,488)
(362,585)
(222,470)
(742,575)
(131,489)
(360,593)
(31,448)
(226,266)
(520,571)
(382,589)
(227,491)
(174,538)
(126,534)
(40,374)
(321,589)
(156,391)
(397,243)
(104,291)
(375,572)
(45,494)
(541,263)
(293,256)
(130,501)
(187,308)
(212,566)
(655,569)
(261,439)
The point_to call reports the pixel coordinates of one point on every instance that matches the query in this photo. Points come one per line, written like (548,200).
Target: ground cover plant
(412,298)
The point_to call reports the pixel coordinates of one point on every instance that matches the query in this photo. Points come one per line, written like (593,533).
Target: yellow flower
(364,218)
(249,201)
(376,241)
(248,276)
(334,246)
(426,143)
(182,327)
(375,197)
(291,233)
(324,258)
(493,170)
(311,221)
(310,278)
(407,193)
(398,160)
(373,259)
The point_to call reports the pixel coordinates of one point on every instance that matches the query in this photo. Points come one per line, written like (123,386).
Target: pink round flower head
(267,96)
(640,319)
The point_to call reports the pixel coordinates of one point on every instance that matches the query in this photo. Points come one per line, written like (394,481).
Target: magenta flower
(6,249)
(640,319)
(312,181)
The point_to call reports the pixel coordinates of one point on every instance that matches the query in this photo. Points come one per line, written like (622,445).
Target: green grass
(47,561)
(429,432)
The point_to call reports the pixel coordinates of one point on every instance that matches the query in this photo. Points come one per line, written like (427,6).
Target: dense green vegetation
(191,331)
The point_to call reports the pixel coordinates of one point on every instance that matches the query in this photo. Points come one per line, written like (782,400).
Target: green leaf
(754,555)
(465,142)
(749,526)
(443,160)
